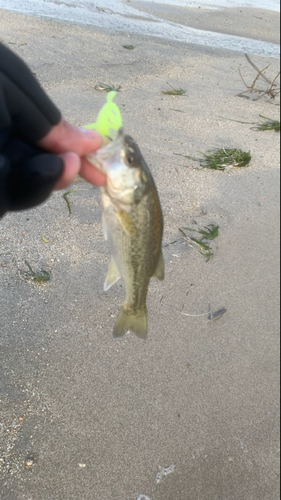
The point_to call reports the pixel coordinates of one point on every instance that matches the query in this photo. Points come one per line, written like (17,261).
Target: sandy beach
(259,24)
(193,413)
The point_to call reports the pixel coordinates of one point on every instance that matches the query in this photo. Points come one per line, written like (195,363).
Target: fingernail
(90,133)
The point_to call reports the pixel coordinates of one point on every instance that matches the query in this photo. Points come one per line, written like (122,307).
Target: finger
(65,137)
(72,164)
(91,174)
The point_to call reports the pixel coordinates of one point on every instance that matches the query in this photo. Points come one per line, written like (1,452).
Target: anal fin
(113,275)
(160,270)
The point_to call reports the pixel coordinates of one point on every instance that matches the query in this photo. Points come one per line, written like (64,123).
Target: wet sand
(244,30)
(83,416)
(259,24)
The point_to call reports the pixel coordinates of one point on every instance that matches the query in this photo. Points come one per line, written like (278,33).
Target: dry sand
(83,417)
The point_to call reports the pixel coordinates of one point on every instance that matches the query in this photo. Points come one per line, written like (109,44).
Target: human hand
(72,144)
(39,151)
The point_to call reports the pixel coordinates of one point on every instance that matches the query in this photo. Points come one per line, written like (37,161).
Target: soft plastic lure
(109,119)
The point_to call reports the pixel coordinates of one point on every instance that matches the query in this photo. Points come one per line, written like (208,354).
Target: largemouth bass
(133,223)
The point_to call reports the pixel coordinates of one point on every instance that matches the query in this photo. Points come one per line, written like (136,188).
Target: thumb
(64,137)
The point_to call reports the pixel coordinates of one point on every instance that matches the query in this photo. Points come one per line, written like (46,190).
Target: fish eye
(131,159)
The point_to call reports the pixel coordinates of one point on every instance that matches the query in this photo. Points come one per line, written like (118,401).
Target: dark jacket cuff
(23,103)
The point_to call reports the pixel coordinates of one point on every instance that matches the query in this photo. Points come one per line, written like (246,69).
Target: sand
(258,24)
(85,417)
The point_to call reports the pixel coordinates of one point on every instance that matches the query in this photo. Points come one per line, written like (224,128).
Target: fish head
(125,168)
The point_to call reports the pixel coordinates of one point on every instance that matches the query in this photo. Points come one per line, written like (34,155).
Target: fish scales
(137,256)
(133,223)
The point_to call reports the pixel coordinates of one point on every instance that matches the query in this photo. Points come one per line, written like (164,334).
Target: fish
(133,223)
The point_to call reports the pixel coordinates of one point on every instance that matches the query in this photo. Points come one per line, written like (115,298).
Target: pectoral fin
(127,223)
(160,270)
(112,277)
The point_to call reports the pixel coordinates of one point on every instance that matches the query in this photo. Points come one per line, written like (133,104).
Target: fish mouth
(110,150)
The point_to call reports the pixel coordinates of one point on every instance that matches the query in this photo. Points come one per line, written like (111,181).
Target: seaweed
(222,159)
(208,233)
(174,91)
(268,125)
(42,277)
(128,47)
(107,88)
(65,195)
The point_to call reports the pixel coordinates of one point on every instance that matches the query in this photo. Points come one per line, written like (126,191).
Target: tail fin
(130,321)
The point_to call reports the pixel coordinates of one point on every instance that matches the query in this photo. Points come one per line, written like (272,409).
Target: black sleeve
(4,172)
(27,173)
(23,103)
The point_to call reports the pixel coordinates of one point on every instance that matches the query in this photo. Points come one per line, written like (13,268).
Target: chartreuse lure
(109,119)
